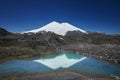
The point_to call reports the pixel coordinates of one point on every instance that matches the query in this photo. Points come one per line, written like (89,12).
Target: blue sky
(90,15)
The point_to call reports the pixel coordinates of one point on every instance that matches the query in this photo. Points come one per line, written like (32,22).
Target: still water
(59,61)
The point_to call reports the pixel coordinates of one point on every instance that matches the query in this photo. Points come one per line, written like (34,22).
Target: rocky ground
(98,45)
(106,52)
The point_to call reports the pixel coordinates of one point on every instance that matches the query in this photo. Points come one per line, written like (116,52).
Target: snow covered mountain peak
(58,28)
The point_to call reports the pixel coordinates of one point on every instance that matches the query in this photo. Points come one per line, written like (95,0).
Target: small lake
(59,61)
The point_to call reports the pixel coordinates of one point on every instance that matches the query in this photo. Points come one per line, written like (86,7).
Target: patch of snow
(61,38)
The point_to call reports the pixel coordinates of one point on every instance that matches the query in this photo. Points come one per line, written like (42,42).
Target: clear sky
(90,15)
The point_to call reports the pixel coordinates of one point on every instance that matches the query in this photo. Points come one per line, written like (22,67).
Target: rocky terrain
(97,45)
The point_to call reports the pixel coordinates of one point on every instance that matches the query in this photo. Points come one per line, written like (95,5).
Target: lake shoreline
(40,68)
(41,55)
(57,75)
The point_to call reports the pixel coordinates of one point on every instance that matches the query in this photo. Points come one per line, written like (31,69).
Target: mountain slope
(58,28)
(3,32)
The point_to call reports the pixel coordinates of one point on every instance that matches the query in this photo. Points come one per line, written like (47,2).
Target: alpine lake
(59,61)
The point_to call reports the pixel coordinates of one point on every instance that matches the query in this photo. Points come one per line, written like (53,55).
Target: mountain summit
(58,28)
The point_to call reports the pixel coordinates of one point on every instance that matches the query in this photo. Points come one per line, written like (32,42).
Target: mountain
(58,28)
(3,32)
